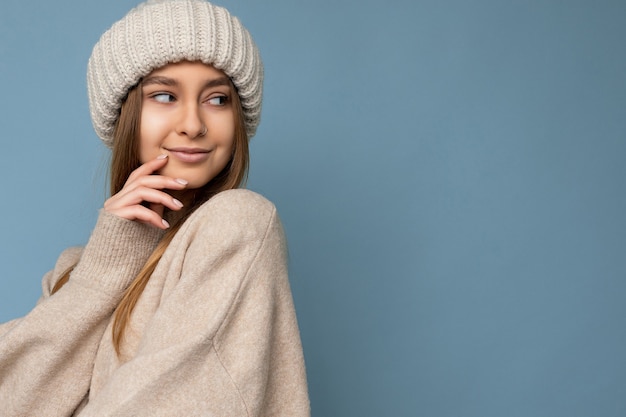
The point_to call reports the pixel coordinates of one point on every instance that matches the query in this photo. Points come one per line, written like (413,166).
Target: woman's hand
(141,198)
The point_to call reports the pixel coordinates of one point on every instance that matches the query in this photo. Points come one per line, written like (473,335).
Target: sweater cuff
(117,250)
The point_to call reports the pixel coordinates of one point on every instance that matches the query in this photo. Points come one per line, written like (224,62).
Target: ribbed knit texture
(159,32)
(108,263)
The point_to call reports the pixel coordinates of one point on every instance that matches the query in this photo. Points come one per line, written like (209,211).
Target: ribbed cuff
(116,252)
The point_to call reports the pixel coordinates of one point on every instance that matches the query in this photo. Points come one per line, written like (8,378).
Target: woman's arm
(46,357)
(225,340)
(68,258)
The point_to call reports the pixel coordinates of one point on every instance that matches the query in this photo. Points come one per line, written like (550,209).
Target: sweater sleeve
(46,357)
(69,257)
(225,341)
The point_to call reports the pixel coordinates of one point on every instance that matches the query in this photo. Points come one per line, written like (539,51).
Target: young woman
(179,304)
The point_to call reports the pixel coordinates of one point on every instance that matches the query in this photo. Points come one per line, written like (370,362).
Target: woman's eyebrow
(156,79)
(217,81)
(170,82)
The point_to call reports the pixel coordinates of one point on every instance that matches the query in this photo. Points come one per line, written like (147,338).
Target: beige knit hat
(159,32)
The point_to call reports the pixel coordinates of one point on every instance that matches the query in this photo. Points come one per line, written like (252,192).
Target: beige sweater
(214,332)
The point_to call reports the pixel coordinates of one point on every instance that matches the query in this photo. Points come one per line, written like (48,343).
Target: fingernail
(178,203)
(165,223)
(181,181)
(162,156)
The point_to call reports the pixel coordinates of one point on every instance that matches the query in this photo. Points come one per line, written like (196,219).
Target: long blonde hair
(125,159)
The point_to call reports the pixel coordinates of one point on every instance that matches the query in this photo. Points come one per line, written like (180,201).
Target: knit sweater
(214,332)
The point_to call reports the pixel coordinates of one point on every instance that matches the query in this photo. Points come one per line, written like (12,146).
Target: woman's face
(187,114)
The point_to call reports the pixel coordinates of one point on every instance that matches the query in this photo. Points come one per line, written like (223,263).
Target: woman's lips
(189,155)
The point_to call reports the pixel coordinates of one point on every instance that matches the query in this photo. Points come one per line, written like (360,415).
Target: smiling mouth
(189,155)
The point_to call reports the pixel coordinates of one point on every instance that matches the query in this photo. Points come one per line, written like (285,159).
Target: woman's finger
(143,215)
(157,182)
(144,186)
(148,168)
(140,195)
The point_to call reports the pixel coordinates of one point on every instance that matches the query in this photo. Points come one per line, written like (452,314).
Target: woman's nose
(191,124)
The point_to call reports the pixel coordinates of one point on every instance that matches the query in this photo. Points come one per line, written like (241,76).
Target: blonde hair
(125,159)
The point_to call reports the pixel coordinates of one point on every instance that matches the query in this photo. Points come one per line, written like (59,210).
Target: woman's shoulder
(237,205)
(230,221)
(237,212)
(241,199)
(68,259)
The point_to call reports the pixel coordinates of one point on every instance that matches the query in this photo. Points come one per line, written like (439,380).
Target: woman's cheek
(152,133)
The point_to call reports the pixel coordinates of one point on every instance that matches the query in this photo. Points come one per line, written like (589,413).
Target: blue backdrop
(450,175)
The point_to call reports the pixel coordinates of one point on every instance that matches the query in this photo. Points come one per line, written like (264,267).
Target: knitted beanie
(159,32)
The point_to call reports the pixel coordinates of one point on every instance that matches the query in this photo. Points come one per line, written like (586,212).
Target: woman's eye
(164,98)
(218,100)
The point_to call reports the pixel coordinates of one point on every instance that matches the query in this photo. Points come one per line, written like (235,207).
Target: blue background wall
(450,175)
